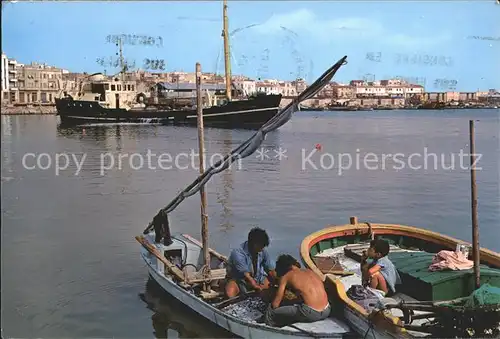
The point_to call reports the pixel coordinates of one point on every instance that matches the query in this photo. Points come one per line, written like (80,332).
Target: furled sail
(160,221)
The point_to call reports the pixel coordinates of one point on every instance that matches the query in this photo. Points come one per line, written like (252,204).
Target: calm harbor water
(71,265)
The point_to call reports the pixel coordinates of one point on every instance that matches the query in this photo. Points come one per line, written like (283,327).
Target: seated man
(250,265)
(307,285)
(381,273)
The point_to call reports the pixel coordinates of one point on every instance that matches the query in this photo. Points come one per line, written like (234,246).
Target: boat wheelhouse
(111,93)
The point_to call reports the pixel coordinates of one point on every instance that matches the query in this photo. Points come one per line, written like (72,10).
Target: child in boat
(307,285)
(249,266)
(381,274)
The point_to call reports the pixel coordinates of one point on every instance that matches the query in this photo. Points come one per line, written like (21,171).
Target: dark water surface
(71,265)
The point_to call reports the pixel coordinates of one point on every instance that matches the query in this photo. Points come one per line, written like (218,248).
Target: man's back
(309,286)
(306,284)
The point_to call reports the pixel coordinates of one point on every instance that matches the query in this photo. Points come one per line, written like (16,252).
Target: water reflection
(227,183)
(6,148)
(6,125)
(172,316)
(90,133)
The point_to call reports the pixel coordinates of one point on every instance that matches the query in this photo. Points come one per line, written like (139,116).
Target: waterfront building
(344,92)
(9,80)
(356,83)
(370,91)
(30,84)
(288,89)
(490,97)
(327,91)
(39,83)
(268,87)
(452,97)
(300,85)
(468,96)
(248,87)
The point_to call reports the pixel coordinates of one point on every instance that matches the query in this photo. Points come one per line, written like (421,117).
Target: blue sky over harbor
(441,44)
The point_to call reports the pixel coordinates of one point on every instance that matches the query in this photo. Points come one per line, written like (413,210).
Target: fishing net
(483,296)
(245,149)
(476,316)
(466,323)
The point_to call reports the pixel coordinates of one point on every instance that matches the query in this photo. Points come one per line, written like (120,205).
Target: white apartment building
(370,91)
(5,73)
(9,79)
(288,88)
(414,89)
(268,87)
(248,87)
(404,91)
(396,90)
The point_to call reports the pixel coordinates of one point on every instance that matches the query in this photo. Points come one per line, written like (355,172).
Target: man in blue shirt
(249,266)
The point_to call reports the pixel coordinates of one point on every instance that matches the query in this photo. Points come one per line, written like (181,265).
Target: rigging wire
(251,145)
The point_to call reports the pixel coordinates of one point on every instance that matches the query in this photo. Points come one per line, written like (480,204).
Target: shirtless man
(307,285)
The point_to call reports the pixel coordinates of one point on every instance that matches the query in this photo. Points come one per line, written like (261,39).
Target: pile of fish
(249,309)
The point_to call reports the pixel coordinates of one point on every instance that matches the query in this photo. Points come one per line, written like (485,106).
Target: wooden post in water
(475,226)
(204,216)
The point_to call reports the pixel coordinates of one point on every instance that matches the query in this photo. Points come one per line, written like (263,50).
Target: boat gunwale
(333,231)
(264,327)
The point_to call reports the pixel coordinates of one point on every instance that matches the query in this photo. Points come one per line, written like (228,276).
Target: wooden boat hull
(365,324)
(224,320)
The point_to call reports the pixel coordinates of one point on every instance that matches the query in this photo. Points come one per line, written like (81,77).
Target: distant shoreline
(51,110)
(29,110)
(365,109)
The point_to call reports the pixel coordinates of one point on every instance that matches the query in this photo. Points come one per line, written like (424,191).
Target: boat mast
(227,53)
(122,67)
(203,195)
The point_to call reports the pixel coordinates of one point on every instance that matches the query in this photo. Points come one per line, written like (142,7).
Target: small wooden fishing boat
(170,314)
(427,303)
(240,315)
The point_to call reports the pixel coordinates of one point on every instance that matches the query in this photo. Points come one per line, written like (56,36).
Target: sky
(443,45)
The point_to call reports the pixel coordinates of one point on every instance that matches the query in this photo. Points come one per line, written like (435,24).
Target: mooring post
(475,226)
(204,217)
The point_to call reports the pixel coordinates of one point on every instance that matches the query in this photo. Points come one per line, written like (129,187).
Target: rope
(253,143)
(368,330)
(371,324)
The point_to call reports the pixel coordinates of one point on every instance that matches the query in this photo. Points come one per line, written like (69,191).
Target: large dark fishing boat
(116,100)
(249,113)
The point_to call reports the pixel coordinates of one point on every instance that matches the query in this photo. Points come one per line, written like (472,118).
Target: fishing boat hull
(330,328)
(411,251)
(251,113)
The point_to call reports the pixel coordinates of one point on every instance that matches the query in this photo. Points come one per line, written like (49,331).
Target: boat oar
(421,307)
(337,272)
